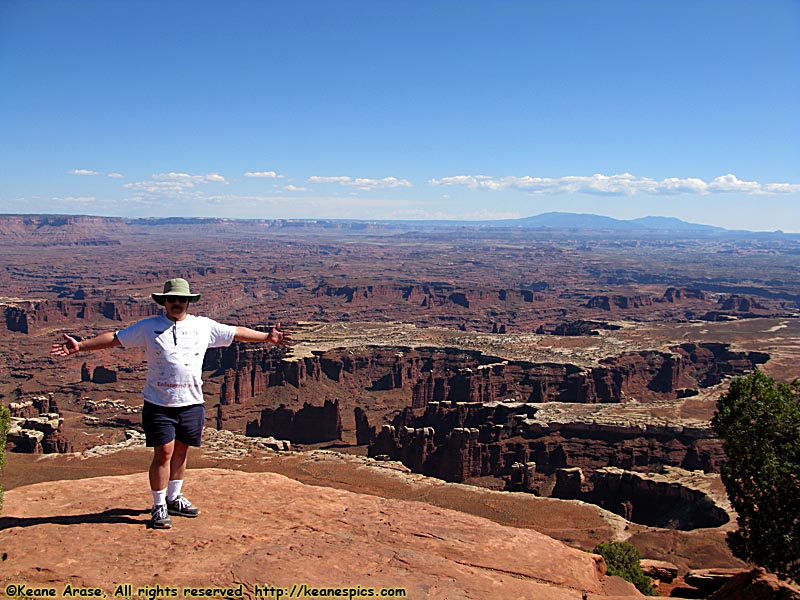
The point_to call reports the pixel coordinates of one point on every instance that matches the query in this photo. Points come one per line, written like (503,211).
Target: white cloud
(263,174)
(189,180)
(294,188)
(175,184)
(782,188)
(362,183)
(676,185)
(471,181)
(621,184)
(387,182)
(92,172)
(731,183)
(341,180)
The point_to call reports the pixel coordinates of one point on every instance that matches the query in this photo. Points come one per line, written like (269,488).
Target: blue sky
(402,109)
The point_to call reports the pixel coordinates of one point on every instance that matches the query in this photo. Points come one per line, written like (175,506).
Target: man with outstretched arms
(173,412)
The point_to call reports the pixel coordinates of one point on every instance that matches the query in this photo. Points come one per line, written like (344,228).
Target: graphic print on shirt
(175,352)
(175,369)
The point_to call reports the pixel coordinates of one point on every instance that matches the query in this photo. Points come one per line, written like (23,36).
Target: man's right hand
(69,346)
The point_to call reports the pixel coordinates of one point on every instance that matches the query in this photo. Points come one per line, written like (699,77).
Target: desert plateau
(466,411)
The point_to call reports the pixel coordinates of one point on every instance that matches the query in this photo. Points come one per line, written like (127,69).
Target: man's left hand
(278,337)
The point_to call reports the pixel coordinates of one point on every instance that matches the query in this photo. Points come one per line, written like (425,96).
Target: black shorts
(162,424)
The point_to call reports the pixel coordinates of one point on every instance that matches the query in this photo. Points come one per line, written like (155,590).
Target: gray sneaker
(181,507)
(159,518)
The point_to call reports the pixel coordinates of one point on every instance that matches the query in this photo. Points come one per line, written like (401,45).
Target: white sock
(159,497)
(174,489)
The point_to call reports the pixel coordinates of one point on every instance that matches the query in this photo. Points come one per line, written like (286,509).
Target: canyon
(557,364)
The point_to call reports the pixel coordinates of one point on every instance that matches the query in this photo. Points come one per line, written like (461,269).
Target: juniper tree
(759,423)
(624,560)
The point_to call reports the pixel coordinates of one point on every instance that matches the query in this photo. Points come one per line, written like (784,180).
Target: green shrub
(623,560)
(5,421)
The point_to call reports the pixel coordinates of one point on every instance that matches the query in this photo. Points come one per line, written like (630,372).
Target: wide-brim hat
(175,287)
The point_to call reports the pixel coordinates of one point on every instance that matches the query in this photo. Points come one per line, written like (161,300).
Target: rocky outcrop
(309,425)
(100,374)
(16,319)
(26,316)
(569,483)
(708,581)
(364,432)
(675,295)
(714,361)
(562,460)
(755,585)
(33,407)
(651,501)
(37,427)
(426,296)
(249,371)
(659,570)
(61,230)
(576,328)
(742,304)
(286,533)
(740,307)
(456,441)
(618,302)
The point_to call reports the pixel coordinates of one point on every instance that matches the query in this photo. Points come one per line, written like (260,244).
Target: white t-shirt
(175,351)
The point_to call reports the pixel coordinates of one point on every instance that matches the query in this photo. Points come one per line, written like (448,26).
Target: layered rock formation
(652,500)
(26,316)
(736,306)
(457,441)
(425,296)
(449,374)
(683,294)
(37,427)
(575,328)
(756,585)
(100,374)
(309,425)
(601,463)
(609,303)
(61,230)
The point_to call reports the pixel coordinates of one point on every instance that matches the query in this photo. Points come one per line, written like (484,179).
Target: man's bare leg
(177,504)
(177,463)
(159,478)
(161,465)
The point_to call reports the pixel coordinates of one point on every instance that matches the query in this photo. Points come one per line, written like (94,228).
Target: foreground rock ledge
(264,528)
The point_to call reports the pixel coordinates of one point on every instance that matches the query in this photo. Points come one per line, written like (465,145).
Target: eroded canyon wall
(456,375)
(458,441)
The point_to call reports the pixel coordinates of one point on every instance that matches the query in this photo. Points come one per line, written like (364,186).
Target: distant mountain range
(561,220)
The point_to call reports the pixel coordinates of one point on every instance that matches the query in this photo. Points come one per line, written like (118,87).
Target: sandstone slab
(756,585)
(267,529)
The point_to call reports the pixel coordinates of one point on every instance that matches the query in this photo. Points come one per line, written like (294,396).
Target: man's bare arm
(71,346)
(275,335)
